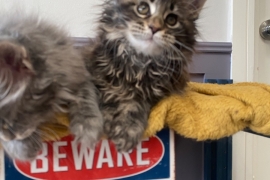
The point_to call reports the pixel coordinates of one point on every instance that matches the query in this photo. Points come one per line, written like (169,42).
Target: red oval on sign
(64,160)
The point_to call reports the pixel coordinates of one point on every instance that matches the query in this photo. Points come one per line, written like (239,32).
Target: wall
(78,16)
(215,23)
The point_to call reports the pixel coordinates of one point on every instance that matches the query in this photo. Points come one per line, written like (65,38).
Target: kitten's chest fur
(121,74)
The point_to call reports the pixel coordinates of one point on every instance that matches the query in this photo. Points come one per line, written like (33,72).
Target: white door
(250,62)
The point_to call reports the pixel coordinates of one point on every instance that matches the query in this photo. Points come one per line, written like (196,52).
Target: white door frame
(243,70)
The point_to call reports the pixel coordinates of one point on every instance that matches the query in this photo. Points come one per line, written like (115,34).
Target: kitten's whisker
(166,67)
(51,131)
(36,141)
(176,60)
(169,62)
(183,45)
(44,135)
(179,52)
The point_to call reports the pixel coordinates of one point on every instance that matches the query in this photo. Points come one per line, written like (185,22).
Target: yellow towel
(204,111)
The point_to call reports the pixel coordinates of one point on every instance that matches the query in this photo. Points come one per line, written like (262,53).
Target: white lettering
(120,159)
(84,156)
(44,161)
(105,151)
(84,153)
(57,156)
(140,151)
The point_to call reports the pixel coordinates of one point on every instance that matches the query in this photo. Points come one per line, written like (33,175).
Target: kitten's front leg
(24,150)
(127,125)
(86,121)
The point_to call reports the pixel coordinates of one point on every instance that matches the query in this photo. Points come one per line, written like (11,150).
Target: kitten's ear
(196,7)
(15,56)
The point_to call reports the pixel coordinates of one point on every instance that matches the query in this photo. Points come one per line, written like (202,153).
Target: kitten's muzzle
(155,24)
(154,29)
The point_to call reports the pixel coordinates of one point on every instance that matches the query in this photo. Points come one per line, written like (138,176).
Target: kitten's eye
(143,8)
(171,19)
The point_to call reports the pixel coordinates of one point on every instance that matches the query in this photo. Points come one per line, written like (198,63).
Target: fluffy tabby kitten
(141,56)
(41,73)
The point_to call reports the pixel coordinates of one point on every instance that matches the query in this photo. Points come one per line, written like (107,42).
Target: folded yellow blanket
(203,112)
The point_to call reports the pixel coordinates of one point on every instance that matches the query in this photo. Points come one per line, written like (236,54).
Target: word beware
(65,160)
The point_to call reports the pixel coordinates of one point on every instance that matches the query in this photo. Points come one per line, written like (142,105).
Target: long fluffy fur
(59,83)
(131,76)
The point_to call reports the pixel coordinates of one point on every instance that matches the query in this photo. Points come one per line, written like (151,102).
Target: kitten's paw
(87,132)
(10,132)
(6,133)
(124,134)
(24,150)
(14,131)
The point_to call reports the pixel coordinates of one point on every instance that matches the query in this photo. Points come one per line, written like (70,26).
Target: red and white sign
(65,160)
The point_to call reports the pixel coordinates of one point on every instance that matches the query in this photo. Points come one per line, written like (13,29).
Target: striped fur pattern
(141,56)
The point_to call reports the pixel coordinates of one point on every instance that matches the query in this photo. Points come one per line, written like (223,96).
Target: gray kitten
(141,56)
(41,74)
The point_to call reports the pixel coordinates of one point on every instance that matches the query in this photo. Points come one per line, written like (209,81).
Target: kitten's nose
(154,29)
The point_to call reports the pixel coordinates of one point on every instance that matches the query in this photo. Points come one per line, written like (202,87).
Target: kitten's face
(15,72)
(155,26)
